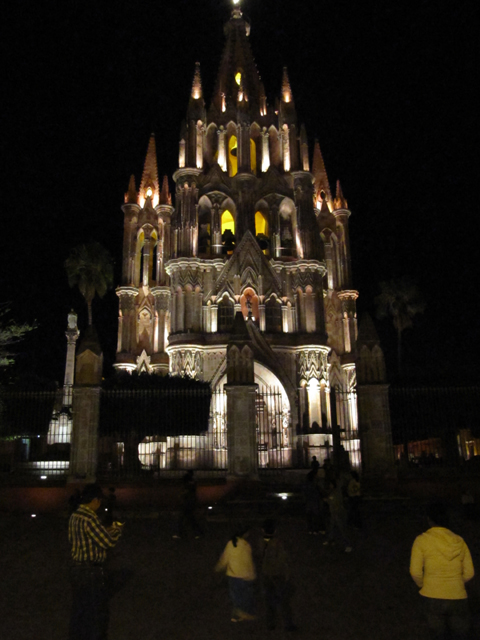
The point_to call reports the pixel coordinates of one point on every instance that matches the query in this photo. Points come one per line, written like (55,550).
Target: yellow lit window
(228,222)
(260,224)
(232,156)
(253,156)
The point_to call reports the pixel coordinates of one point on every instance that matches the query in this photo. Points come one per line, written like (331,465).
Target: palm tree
(401,299)
(90,266)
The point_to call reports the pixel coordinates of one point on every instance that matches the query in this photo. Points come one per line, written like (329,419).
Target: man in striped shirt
(90,541)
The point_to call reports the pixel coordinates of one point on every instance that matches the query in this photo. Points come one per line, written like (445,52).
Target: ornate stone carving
(187,362)
(312,363)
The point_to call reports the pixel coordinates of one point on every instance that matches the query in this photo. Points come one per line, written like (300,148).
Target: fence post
(86,409)
(241,396)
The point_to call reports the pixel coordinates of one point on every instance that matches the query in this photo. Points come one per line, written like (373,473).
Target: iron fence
(435,426)
(153,431)
(274,430)
(30,426)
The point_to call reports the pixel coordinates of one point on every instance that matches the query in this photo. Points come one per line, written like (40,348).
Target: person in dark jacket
(189,503)
(277,584)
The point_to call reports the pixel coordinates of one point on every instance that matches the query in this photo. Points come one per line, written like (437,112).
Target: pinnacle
(340,201)
(150,171)
(319,172)
(131,196)
(165,197)
(197,83)
(286,88)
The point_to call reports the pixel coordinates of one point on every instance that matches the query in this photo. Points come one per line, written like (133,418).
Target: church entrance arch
(273,419)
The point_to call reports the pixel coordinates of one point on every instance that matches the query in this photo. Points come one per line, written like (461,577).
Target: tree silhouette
(90,267)
(10,334)
(401,299)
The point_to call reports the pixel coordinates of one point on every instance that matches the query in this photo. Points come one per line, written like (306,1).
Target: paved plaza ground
(166,589)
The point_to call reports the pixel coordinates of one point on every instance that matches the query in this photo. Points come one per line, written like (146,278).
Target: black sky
(386,87)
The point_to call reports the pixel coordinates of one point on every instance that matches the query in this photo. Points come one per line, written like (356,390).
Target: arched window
(273,316)
(228,232)
(253,156)
(261,231)
(232,156)
(225,314)
(261,224)
(204,232)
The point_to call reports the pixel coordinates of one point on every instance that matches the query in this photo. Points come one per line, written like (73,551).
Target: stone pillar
(241,411)
(72,334)
(86,409)
(375,430)
(241,431)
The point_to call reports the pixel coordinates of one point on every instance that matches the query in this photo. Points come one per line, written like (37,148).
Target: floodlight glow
(34,515)
(210,507)
(43,477)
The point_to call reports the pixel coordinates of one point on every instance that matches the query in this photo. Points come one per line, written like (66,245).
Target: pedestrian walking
(276,579)
(189,504)
(440,565)
(90,541)
(237,562)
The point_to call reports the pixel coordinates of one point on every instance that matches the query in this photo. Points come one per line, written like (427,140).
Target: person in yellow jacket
(237,562)
(440,565)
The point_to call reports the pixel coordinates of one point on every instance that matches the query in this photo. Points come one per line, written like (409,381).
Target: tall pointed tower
(252,229)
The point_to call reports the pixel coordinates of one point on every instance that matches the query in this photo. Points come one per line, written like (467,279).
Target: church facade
(253,227)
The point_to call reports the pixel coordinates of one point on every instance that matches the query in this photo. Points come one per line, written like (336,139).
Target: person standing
(277,584)
(189,504)
(354,494)
(440,565)
(237,562)
(90,541)
(337,526)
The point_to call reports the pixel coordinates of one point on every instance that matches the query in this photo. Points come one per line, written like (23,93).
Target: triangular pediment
(252,266)
(215,180)
(274,182)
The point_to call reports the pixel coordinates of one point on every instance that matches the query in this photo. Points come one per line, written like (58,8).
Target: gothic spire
(150,171)
(237,66)
(286,88)
(197,83)
(165,197)
(340,201)
(131,197)
(320,174)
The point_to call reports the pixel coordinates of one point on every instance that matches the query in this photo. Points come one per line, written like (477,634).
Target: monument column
(72,334)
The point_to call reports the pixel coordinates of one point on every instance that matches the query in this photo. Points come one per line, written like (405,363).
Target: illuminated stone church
(253,227)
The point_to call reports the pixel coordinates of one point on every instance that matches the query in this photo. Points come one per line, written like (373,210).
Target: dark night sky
(386,87)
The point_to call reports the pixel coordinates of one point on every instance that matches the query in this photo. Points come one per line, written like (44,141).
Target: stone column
(375,430)
(241,410)
(86,409)
(72,334)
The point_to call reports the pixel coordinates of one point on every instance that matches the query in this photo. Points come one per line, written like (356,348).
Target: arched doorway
(273,419)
